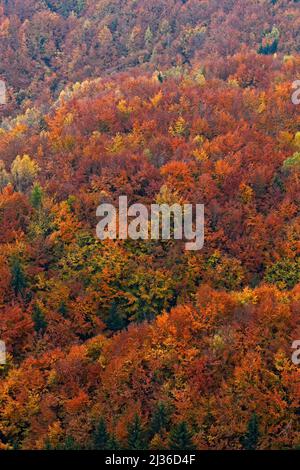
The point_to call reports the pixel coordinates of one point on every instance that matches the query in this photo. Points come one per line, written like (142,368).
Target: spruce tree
(135,439)
(36,196)
(101,437)
(47,445)
(114,321)
(181,438)
(113,444)
(160,77)
(148,38)
(252,435)
(160,420)
(38,317)
(69,444)
(18,280)
(62,309)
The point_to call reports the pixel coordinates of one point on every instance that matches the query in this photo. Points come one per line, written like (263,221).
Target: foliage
(130,344)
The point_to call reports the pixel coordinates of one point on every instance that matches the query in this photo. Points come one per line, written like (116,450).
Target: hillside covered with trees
(46,44)
(124,344)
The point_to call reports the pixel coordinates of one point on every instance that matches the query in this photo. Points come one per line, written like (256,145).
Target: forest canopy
(124,344)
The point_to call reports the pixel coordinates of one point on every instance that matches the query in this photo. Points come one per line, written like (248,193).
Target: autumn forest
(141,344)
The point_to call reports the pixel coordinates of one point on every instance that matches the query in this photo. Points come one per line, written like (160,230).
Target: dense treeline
(46,44)
(139,344)
(216,359)
(202,374)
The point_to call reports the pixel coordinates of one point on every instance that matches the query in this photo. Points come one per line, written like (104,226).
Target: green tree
(115,321)
(63,309)
(160,77)
(113,444)
(284,273)
(36,196)
(292,162)
(4,176)
(160,419)
(135,439)
(18,278)
(69,444)
(66,7)
(252,435)
(270,42)
(181,437)
(40,323)
(148,38)
(101,437)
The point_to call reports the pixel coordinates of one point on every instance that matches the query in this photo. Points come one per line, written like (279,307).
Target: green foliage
(69,444)
(284,273)
(18,278)
(36,196)
(113,443)
(63,310)
(40,323)
(150,293)
(101,437)
(148,38)
(292,162)
(4,176)
(252,435)
(181,437)
(135,438)
(115,320)
(65,7)
(270,42)
(160,420)
(160,77)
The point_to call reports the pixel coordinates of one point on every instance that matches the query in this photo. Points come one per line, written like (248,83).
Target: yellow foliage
(54,434)
(262,104)
(124,108)
(117,144)
(23,172)
(156,99)
(246,193)
(198,139)
(69,119)
(178,128)
(200,154)
(247,296)
(200,79)
(233,82)
(297,140)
